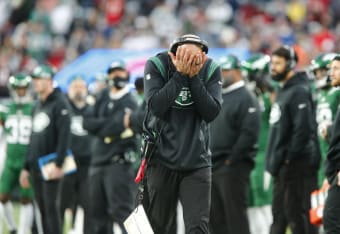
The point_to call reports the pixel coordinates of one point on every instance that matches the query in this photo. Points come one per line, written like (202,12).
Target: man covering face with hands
(183,93)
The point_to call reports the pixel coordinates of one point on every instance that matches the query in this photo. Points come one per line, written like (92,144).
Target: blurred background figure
(332,205)
(257,74)
(50,135)
(74,191)
(292,155)
(15,117)
(97,86)
(111,186)
(328,100)
(233,152)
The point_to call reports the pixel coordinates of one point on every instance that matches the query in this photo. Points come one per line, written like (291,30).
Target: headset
(188,38)
(291,62)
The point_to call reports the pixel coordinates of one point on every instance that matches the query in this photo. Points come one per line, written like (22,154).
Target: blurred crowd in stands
(58,31)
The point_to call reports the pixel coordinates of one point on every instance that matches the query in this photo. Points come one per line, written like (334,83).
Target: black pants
(74,191)
(290,198)
(46,195)
(230,186)
(111,196)
(165,187)
(331,213)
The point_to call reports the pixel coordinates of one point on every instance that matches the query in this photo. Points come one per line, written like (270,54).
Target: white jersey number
(19,129)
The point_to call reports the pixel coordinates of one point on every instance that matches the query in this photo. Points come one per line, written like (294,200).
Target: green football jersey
(260,189)
(327,106)
(17,124)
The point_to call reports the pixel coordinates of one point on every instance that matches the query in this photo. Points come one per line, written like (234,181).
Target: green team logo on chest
(184,97)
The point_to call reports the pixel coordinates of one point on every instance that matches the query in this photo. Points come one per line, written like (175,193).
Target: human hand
(325,185)
(197,64)
(322,128)
(55,172)
(126,119)
(183,59)
(24,178)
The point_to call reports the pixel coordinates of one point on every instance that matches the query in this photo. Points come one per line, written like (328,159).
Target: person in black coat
(50,135)
(183,91)
(74,187)
(234,137)
(111,171)
(292,155)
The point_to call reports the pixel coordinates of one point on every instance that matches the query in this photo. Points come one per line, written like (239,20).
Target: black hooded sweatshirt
(81,140)
(185,106)
(50,130)
(235,131)
(293,134)
(107,126)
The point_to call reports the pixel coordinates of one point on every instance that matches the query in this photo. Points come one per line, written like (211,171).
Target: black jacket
(292,135)
(112,139)
(235,131)
(332,164)
(137,117)
(81,140)
(50,130)
(185,106)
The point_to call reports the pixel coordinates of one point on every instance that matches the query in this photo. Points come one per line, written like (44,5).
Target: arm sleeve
(332,163)
(329,133)
(94,125)
(63,122)
(301,113)
(112,126)
(28,152)
(160,94)
(109,126)
(137,117)
(207,97)
(246,143)
(94,122)
(27,159)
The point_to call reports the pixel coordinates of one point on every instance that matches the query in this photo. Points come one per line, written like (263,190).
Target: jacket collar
(119,94)
(237,85)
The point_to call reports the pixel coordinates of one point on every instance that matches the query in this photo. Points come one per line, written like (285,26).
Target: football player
(15,117)
(328,98)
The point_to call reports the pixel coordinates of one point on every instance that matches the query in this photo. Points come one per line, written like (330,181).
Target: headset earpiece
(291,62)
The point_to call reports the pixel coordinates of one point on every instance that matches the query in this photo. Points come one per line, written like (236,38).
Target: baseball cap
(117,64)
(43,72)
(229,62)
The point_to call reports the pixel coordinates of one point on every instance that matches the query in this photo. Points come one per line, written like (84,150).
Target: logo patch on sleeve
(251,109)
(302,105)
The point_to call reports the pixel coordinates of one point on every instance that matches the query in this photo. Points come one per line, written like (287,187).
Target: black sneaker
(13,232)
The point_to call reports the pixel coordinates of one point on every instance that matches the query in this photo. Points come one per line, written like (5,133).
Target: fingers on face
(180,53)
(198,59)
(192,59)
(172,56)
(189,58)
